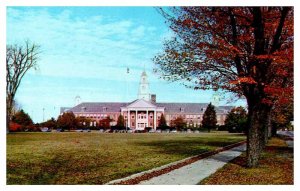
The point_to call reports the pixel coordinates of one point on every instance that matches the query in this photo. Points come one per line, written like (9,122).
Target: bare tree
(19,59)
(16,106)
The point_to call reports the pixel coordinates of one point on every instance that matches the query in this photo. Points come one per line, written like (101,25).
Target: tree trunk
(256,139)
(9,103)
(253,145)
(7,123)
(269,125)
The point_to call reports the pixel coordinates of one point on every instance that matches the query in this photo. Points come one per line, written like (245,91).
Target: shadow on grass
(269,152)
(187,147)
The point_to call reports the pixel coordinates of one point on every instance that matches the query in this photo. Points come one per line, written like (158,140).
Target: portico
(141,114)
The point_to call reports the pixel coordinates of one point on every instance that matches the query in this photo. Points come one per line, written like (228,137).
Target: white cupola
(144,87)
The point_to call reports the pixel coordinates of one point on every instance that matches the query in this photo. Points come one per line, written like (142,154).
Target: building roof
(169,107)
(99,107)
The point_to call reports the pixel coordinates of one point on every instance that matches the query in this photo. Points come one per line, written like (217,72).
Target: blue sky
(85,51)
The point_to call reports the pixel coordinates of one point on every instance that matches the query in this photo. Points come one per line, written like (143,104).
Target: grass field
(95,158)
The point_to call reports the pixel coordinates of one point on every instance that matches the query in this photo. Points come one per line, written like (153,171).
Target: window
(151,116)
(132,117)
(132,124)
(181,109)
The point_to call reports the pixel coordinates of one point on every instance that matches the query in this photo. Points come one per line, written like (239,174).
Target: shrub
(14,127)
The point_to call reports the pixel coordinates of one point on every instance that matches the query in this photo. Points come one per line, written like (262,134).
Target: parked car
(101,130)
(60,130)
(158,131)
(45,129)
(79,130)
(107,131)
(174,131)
(152,131)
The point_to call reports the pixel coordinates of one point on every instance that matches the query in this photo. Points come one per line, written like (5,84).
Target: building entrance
(141,126)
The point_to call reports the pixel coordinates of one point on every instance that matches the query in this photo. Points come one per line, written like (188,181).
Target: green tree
(236,120)
(209,117)
(67,121)
(22,119)
(19,59)
(162,122)
(121,121)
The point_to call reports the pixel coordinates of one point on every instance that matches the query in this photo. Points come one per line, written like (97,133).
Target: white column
(154,119)
(128,118)
(147,118)
(135,118)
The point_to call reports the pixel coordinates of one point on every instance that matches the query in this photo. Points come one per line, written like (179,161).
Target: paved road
(193,173)
(286,133)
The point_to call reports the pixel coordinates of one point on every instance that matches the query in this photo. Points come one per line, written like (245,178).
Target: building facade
(145,111)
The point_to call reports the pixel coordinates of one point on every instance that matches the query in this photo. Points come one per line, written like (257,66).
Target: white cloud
(88,56)
(85,45)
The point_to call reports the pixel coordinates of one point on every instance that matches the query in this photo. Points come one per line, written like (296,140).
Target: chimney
(153,98)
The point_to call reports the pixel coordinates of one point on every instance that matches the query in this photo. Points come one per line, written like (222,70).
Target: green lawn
(96,158)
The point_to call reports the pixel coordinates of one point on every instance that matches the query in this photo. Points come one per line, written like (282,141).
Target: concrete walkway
(193,173)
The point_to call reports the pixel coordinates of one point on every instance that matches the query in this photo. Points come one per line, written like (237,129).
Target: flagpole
(127,75)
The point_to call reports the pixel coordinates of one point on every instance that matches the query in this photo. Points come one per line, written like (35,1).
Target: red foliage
(238,49)
(14,127)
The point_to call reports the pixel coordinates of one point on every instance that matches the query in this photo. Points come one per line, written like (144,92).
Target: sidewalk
(189,171)
(193,173)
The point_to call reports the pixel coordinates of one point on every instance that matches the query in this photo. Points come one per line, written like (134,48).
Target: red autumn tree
(105,123)
(244,50)
(13,127)
(67,121)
